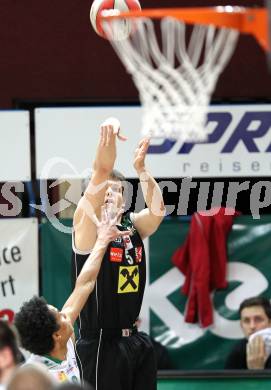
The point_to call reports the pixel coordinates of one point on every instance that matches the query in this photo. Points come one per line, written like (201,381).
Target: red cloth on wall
(202,259)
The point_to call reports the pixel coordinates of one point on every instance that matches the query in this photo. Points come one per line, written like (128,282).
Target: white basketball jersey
(66,371)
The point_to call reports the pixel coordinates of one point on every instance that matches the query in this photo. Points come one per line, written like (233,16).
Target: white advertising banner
(238,145)
(19,270)
(67,138)
(15,146)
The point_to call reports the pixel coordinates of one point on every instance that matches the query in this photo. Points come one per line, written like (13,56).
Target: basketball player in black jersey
(112,355)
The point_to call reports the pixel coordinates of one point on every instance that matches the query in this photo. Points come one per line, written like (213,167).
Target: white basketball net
(175,79)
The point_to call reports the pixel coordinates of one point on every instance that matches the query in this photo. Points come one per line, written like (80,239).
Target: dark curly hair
(36,325)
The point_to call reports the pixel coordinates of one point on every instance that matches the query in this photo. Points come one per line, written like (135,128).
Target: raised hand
(256,354)
(110,128)
(140,154)
(106,153)
(107,230)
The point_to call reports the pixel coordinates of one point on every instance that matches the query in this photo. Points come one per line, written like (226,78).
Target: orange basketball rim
(254,21)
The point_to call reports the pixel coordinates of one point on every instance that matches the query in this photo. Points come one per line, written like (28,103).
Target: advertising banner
(15,146)
(238,143)
(19,265)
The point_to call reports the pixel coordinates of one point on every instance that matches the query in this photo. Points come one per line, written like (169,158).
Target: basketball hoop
(176,70)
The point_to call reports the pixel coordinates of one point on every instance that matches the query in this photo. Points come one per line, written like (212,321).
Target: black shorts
(119,363)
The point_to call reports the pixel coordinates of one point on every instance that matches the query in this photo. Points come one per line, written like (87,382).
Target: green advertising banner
(56,252)
(214,383)
(190,347)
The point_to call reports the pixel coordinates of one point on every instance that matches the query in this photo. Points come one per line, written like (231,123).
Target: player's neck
(59,353)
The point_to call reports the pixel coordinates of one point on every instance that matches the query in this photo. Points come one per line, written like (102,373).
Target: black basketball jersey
(116,300)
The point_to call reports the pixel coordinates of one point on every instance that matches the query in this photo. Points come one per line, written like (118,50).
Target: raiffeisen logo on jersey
(238,144)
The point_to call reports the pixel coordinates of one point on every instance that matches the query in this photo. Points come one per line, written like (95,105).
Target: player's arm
(84,285)
(85,232)
(148,220)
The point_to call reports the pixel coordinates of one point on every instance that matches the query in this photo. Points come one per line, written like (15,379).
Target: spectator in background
(30,377)
(10,355)
(255,315)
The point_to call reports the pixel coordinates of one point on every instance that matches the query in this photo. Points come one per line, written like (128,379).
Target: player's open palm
(256,354)
(107,230)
